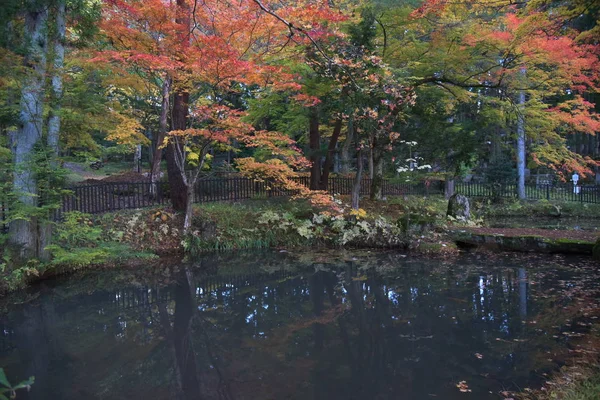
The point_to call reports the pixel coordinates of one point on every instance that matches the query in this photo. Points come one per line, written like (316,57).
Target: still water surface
(301,326)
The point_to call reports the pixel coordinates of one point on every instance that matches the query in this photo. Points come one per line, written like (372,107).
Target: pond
(305,325)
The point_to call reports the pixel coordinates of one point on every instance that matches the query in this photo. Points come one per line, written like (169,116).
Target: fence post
(235,189)
(548,192)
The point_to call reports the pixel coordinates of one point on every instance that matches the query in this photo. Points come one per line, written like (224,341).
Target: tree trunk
(345,153)
(521,147)
(53,135)
(337,129)
(314,143)
(162,133)
(357,179)
(371,162)
(177,186)
(189,211)
(24,232)
(449,187)
(137,159)
(57,78)
(376,192)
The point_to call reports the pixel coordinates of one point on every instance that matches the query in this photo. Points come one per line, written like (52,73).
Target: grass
(110,168)
(540,208)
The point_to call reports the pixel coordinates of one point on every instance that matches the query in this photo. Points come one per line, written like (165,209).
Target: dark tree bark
(177,186)
(337,129)
(357,179)
(314,143)
(179,119)
(162,132)
(377,178)
(345,152)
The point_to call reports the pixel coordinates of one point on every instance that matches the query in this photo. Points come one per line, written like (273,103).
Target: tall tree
(24,229)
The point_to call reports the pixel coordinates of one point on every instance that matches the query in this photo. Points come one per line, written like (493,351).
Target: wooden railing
(105,197)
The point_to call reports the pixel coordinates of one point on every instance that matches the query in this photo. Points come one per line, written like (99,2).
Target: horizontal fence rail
(98,198)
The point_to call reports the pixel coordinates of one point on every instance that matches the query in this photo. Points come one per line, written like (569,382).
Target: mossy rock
(459,207)
(524,243)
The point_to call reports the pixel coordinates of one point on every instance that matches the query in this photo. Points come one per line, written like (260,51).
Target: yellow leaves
(193,157)
(359,214)
(127,131)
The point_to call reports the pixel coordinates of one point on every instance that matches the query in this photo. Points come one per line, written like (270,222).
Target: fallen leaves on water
(463,387)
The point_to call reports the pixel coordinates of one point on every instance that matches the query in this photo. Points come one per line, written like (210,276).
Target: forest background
(445,89)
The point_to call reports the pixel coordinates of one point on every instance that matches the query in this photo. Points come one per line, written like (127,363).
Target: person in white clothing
(575,179)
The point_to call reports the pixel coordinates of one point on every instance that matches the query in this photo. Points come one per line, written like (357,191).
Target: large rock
(458,207)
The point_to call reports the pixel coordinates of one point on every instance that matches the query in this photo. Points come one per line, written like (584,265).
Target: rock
(207,229)
(458,207)
(555,211)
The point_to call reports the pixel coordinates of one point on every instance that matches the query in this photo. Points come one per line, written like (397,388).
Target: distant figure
(575,179)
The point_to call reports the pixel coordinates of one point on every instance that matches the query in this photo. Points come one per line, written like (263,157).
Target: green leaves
(9,389)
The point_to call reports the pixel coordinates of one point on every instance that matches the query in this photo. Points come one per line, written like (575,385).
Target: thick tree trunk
(357,180)
(314,143)
(160,138)
(57,78)
(24,232)
(521,147)
(337,129)
(177,186)
(345,153)
(54,119)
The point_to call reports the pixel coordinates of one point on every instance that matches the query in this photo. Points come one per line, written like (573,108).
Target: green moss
(524,243)
(571,241)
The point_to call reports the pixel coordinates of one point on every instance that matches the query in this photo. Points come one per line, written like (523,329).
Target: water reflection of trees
(344,330)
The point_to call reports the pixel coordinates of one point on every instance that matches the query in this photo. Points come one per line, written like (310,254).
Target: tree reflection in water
(383,328)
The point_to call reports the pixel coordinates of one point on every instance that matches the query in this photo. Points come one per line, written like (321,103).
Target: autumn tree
(492,52)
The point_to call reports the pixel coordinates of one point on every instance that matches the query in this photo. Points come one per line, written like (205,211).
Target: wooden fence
(560,192)
(105,197)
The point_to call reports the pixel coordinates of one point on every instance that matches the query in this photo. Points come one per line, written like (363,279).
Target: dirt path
(81,171)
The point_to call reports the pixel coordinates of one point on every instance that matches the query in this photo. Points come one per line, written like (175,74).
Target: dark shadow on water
(268,326)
